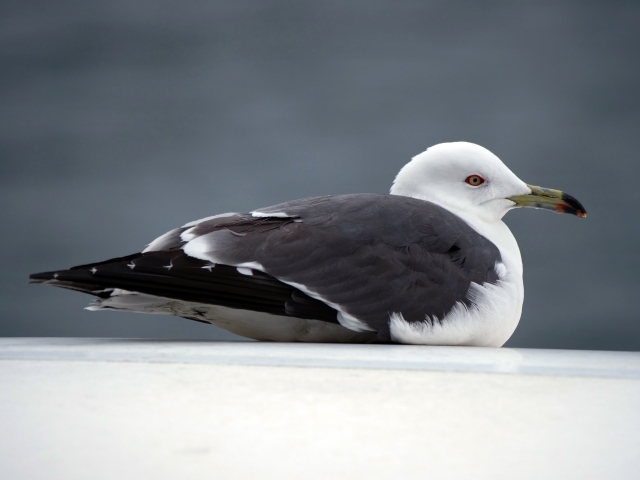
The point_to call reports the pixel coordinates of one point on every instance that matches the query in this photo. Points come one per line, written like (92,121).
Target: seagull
(430,263)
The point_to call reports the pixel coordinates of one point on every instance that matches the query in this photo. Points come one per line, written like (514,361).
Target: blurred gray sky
(120,120)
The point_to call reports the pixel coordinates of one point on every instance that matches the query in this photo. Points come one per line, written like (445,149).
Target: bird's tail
(83,278)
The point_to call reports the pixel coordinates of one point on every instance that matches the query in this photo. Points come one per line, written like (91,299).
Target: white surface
(401,357)
(127,409)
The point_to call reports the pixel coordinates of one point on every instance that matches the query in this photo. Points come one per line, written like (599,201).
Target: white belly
(250,324)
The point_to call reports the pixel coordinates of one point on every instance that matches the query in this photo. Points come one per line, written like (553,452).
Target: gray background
(120,120)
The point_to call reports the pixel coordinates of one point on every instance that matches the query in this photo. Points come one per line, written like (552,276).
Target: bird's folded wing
(366,256)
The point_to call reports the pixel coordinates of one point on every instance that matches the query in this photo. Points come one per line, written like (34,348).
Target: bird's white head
(466,178)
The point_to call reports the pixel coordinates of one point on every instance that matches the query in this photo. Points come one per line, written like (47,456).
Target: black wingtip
(42,277)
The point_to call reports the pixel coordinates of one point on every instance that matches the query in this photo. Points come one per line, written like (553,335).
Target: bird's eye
(474,180)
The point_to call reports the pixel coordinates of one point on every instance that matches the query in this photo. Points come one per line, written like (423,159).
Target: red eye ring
(474,180)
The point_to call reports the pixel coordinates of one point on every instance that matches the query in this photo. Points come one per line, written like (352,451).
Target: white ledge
(387,357)
(106,408)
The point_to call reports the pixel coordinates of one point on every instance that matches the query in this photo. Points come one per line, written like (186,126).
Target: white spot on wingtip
(244,270)
(93,270)
(131,265)
(209,267)
(55,275)
(170,266)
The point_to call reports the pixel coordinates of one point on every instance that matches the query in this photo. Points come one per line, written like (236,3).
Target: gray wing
(367,256)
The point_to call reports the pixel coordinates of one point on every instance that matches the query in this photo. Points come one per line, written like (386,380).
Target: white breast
(495,310)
